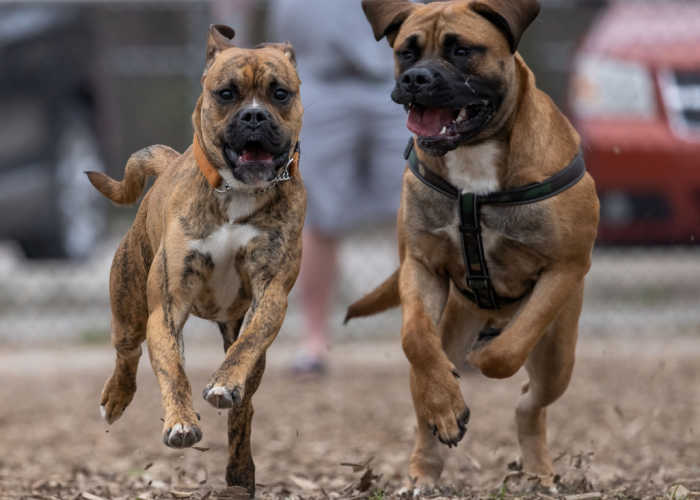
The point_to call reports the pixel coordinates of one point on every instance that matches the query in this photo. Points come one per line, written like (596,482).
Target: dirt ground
(628,427)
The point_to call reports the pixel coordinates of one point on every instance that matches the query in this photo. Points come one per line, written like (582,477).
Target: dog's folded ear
(220,38)
(285,47)
(512,17)
(387,16)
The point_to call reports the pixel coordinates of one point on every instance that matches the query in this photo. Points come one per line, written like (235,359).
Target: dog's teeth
(443,131)
(462,116)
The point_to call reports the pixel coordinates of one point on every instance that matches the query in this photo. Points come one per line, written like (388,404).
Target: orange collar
(212,174)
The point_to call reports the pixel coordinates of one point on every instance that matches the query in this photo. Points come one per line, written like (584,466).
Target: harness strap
(428,177)
(481,290)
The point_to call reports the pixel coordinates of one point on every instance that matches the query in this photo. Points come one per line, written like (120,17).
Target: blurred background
(85,84)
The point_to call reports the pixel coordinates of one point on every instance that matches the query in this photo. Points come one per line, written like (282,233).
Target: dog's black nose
(416,80)
(254,117)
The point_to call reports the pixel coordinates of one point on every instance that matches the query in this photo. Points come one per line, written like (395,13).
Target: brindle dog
(480,123)
(218,236)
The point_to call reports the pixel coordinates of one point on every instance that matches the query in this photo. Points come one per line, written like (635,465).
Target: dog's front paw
(222,397)
(450,428)
(439,402)
(181,434)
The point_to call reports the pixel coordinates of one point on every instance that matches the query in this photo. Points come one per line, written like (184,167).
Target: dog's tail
(150,161)
(385,296)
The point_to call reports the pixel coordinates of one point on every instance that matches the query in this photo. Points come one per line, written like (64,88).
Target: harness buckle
(469,229)
(478,282)
(483,292)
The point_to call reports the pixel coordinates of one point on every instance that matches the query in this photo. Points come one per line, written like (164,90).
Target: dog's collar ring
(284,174)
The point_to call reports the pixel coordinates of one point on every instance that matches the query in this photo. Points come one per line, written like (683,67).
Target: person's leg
(328,152)
(317,282)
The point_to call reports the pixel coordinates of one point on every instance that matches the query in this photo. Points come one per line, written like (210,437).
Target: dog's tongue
(255,154)
(428,122)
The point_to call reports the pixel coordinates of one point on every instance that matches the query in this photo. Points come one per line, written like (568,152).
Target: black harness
(481,290)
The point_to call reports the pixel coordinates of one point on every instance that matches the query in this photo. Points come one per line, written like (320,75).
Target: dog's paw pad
(182,436)
(220,397)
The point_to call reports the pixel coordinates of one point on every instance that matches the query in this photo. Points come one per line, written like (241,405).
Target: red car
(635,97)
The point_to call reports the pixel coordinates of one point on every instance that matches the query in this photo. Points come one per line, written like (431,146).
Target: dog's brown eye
(407,55)
(281,94)
(462,51)
(227,94)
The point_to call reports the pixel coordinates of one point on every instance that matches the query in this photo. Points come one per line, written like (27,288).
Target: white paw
(220,397)
(182,436)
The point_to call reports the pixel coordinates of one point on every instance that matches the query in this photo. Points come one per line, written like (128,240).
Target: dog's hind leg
(229,332)
(427,458)
(240,470)
(549,368)
(220,398)
(129,317)
(458,329)
(119,389)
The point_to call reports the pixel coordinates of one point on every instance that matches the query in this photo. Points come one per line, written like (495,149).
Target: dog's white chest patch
(475,168)
(241,206)
(472,169)
(223,246)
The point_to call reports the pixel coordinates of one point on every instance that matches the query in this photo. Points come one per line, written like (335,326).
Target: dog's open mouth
(437,124)
(253,163)
(252,152)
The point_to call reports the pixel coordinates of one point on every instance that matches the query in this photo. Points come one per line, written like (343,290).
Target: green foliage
(377,494)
